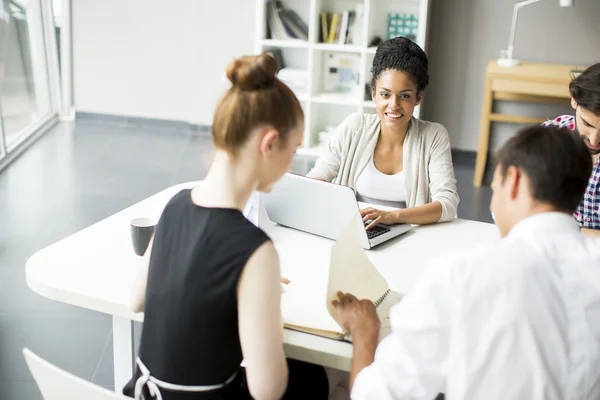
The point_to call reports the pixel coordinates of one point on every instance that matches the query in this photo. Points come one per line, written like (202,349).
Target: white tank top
(373,184)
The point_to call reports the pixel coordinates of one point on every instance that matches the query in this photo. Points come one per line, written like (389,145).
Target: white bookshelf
(323,109)
(289,44)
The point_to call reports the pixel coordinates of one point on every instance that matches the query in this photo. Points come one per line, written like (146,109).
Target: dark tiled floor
(74,176)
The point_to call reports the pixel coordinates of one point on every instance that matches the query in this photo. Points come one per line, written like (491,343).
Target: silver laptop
(323,209)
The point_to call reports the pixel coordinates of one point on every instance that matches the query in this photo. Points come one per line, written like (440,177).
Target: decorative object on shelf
(342,73)
(406,25)
(342,27)
(506,56)
(284,24)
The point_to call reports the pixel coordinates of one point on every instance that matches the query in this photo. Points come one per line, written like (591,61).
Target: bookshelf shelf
(291,43)
(323,110)
(344,48)
(335,98)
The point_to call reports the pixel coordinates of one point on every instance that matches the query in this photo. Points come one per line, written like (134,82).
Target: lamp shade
(566,3)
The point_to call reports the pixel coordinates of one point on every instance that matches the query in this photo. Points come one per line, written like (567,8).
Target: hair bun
(252,72)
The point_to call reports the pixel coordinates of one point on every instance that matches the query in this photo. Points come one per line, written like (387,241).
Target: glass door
(4,20)
(28,70)
(2,142)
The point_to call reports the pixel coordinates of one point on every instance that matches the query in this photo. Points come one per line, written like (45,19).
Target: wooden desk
(527,82)
(96,267)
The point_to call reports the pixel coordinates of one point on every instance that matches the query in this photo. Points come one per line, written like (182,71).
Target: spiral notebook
(306,301)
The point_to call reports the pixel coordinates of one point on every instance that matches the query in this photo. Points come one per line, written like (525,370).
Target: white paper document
(317,274)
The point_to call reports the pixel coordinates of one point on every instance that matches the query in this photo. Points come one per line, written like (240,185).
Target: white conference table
(95,269)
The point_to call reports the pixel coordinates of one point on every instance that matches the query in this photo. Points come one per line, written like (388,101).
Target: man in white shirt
(518,318)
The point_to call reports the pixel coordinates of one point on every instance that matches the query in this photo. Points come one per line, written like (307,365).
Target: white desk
(95,269)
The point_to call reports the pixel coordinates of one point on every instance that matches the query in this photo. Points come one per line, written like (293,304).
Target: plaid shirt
(587,214)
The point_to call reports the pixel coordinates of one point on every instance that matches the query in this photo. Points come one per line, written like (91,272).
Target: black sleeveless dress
(190,333)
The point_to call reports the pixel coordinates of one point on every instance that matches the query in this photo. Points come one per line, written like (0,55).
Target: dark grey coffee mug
(142,230)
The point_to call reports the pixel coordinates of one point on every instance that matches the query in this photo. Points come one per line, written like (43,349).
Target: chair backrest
(56,384)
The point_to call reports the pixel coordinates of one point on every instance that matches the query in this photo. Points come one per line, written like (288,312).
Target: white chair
(56,384)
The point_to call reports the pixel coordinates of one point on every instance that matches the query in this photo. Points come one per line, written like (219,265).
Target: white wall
(466,34)
(157,59)
(142,58)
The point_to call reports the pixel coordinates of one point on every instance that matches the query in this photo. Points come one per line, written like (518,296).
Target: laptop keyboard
(376,231)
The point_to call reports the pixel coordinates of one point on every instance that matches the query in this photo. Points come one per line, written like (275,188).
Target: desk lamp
(506,56)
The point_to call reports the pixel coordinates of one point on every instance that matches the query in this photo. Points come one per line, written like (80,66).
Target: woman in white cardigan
(392,158)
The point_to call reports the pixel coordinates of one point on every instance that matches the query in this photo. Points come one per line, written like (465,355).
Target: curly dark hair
(585,89)
(401,54)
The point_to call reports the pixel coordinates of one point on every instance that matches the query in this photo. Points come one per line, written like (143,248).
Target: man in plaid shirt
(585,93)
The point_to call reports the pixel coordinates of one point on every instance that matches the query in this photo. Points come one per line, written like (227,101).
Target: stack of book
(343,27)
(285,24)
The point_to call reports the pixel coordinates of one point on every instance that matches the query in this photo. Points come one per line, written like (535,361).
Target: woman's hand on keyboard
(378,217)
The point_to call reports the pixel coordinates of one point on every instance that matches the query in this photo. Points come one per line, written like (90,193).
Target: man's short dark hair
(404,55)
(556,161)
(585,89)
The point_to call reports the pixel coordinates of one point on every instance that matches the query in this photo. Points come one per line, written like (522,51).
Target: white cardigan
(429,175)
